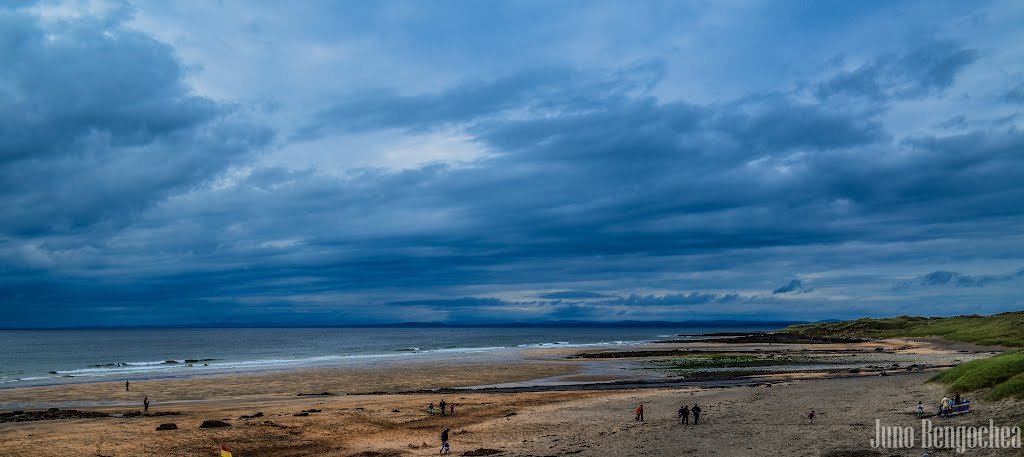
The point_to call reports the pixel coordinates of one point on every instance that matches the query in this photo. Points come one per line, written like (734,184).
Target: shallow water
(46,357)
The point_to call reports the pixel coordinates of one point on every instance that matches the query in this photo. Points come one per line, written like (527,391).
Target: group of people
(684,413)
(945,407)
(450,407)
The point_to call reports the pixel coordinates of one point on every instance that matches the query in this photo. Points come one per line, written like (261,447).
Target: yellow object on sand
(225,452)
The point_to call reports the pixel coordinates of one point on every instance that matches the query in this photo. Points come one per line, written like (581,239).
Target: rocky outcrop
(50,414)
(214,424)
(171,426)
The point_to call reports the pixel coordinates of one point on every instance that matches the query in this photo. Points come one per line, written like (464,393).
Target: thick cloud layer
(169,164)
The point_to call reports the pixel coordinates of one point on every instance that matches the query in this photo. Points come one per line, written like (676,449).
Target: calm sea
(44,357)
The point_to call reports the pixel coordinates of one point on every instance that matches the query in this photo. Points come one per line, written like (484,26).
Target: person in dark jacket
(696,413)
(444,443)
(684,414)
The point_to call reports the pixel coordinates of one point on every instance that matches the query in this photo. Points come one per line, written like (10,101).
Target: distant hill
(1006,329)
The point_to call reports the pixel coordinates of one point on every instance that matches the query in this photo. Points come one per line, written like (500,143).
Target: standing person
(810,416)
(920,410)
(684,414)
(145,403)
(944,406)
(126,386)
(444,443)
(640,412)
(431,408)
(956,399)
(696,413)
(443,406)
(451,409)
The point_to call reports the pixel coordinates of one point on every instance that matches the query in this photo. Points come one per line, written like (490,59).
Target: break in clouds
(405,161)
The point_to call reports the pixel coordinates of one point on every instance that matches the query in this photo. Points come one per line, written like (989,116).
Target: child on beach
(640,412)
(431,408)
(810,416)
(920,410)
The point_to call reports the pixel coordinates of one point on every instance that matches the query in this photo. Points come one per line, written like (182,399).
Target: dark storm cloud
(794,286)
(929,68)
(100,113)
(953,278)
(635,191)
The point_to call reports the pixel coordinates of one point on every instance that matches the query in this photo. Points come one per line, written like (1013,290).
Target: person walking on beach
(640,412)
(696,413)
(145,403)
(451,409)
(920,410)
(684,415)
(126,386)
(810,416)
(431,408)
(443,405)
(444,443)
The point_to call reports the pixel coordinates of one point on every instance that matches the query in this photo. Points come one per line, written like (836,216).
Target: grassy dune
(1001,376)
(1005,329)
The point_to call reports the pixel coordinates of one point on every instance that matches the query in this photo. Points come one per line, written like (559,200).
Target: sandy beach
(382,411)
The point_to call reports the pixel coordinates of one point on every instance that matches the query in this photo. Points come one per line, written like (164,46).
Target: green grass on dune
(1005,329)
(1003,374)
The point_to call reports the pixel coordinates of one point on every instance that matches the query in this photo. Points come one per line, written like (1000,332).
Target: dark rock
(132,414)
(482,451)
(171,426)
(396,410)
(170,362)
(165,413)
(300,414)
(214,424)
(312,411)
(50,414)
(319,394)
(259,414)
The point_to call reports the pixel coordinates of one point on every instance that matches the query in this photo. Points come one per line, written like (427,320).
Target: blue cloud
(167,164)
(794,286)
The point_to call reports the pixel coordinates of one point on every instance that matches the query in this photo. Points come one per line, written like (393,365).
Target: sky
(210,162)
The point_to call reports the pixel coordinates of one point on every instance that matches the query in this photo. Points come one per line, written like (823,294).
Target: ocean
(48,357)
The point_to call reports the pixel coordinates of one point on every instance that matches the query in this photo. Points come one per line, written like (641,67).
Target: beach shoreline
(519,407)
